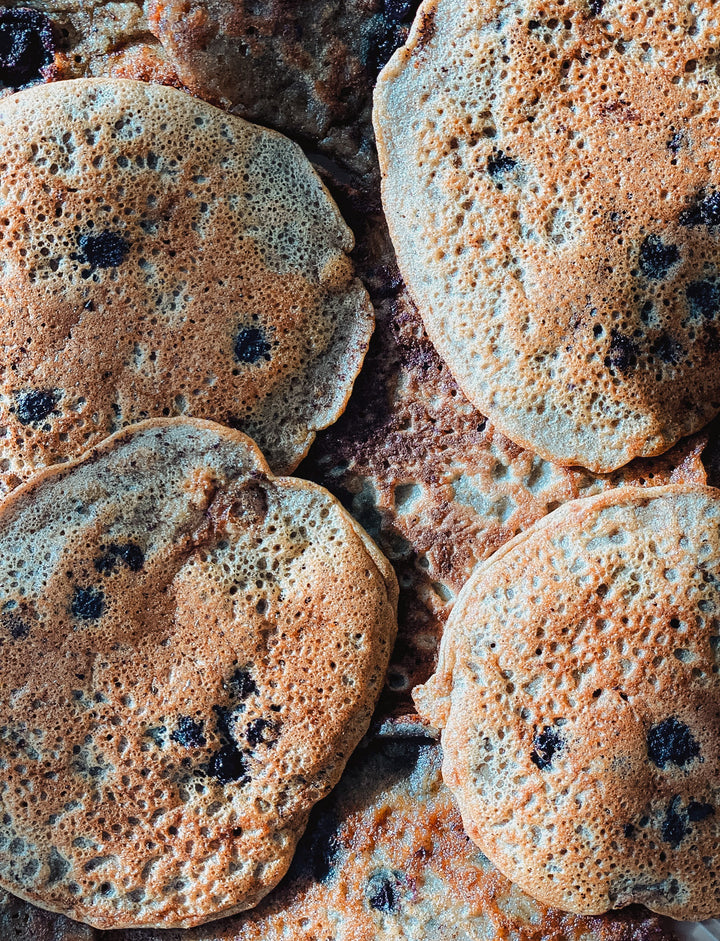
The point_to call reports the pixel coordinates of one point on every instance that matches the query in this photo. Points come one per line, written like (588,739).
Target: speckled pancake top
(552,184)
(160,257)
(191,649)
(577,689)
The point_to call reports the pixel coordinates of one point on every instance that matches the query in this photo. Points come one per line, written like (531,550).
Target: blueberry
(88,604)
(243,685)
(188,733)
(595,7)
(104,250)
(27,46)
(223,722)
(251,345)
(629,831)
(671,741)
(674,828)
(668,349)
(622,354)
(13,623)
(499,163)
(34,405)
(656,258)
(400,10)
(546,745)
(703,298)
(698,811)
(706,211)
(383,892)
(675,142)
(261,732)
(228,765)
(128,553)
(383,36)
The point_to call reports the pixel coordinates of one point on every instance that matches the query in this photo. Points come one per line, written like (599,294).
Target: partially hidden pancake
(160,257)
(552,185)
(385,858)
(191,649)
(577,690)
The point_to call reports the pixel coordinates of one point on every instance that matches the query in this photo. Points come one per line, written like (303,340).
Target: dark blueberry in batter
(697,811)
(227,765)
(88,604)
(243,685)
(546,745)
(15,625)
(656,258)
(629,831)
(189,733)
(104,250)
(596,6)
(27,46)
(674,828)
(223,721)
(399,10)
(675,142)
(383,892)
(261,731)
(703,298)
(499,163)
(704,212)
(671,741)
(668,349)
(129,554)
(622,354)
(34,405)
(251,345)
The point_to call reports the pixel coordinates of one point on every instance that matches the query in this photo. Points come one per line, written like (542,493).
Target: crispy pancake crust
(551,182)
(577,690)
(161,258)
(174,621)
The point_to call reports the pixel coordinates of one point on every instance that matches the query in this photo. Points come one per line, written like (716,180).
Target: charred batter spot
(128,554)
(384,890)
(671,742)
(703,298)
(657,257)
(104,250)
(706,211)
(251,346)
(318,852)
(189,733)
(27,47)
(674,826)
(546,745)
(622,354)
(34,405)
(88,604)
(668,349)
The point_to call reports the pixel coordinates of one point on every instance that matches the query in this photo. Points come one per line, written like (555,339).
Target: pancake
(192,649)
(437,485)
(577,691)
(163,258)
(551,182)
(385,857)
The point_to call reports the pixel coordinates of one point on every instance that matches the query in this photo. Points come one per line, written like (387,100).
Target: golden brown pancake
(191,649)
(577,691)
(160,257)
(552,185)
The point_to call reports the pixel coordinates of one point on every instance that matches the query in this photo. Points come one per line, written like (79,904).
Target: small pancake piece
(160,257)
(191,648)
(578,694)
(552,185)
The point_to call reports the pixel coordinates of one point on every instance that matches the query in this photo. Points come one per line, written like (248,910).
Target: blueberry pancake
(577,690)
(552,185)
(191,648)
(160,257)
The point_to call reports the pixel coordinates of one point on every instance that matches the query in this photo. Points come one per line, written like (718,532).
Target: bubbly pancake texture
(191,648)
(160,257)
(552,185)
(577,690)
